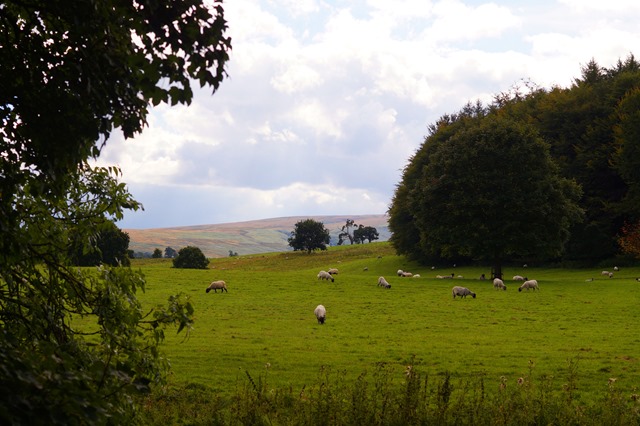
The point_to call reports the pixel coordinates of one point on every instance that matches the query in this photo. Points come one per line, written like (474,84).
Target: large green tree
(362,233)
(490,191)
(309,235)
(71,73)
(110,246)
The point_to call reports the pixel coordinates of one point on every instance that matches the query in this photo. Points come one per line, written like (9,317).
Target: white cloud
(326,100)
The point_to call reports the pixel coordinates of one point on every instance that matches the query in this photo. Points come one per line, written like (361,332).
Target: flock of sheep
(321,312)
(457,291)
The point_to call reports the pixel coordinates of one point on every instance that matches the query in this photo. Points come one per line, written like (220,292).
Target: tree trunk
(496,270)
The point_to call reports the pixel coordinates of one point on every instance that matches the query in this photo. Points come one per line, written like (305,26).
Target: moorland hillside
(251,237)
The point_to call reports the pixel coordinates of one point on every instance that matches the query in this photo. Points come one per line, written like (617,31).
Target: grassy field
(265,325)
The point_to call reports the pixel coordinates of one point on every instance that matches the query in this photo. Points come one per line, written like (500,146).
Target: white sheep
(610,274)
(400,272)
(615,268)
(416,276)
(321,313)
(462,292)
(533,284)
(333,271)
(519,278)
(498,284)
(605,273)
(383,283)
(217,285)
(324,275)
(407,274)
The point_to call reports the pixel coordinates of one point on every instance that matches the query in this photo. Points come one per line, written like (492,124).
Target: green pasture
(265,326)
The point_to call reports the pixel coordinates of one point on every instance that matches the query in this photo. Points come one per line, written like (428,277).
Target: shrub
(190,257)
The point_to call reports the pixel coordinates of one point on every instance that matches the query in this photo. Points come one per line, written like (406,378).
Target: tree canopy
(362,233)
(590,129)
(491,192)
(110,246)
(309,235)
(70,74)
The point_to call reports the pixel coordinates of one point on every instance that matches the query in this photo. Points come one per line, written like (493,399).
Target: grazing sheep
(615,268)
(519,278)
(324,275)
(482,277)
(462,292)
(416,276)
(498,284)
(333,271)
(400,272)
(366,268)
(533,284)
(407,274)
(610,274)
(383,283)
(321,313)
(605,273)
(217,285)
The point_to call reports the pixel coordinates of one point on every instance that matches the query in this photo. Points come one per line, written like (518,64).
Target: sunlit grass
(265,323)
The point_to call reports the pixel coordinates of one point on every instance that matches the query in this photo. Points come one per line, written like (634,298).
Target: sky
(326,101)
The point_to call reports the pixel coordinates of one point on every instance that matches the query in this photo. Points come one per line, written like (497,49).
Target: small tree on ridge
(309,235)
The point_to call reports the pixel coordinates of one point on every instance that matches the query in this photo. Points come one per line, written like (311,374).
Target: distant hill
(251,237)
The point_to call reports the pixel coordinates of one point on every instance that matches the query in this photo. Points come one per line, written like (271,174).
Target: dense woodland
(592,130)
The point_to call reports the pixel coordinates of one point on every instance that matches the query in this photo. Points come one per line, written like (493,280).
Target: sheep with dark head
(383,283)
(324,275)
(529,284)
(462,292)
(498,284)
(321,313)
(217,285)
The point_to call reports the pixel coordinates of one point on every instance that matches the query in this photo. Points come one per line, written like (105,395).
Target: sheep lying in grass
(333,271)
(217,285)
(324,275)
(519,278)
(444,277)
(498,284)
(462,292)
(530,284)
(321,313)
(383,283)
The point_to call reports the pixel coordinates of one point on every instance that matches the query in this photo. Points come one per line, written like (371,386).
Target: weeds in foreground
(380,398)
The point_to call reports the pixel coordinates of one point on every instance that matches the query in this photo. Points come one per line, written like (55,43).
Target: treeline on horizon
(593,132)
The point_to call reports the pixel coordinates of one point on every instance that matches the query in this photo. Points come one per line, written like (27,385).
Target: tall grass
(384,398)
(407,355)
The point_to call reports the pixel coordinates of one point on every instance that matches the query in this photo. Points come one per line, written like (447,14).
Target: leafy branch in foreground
(75,342)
